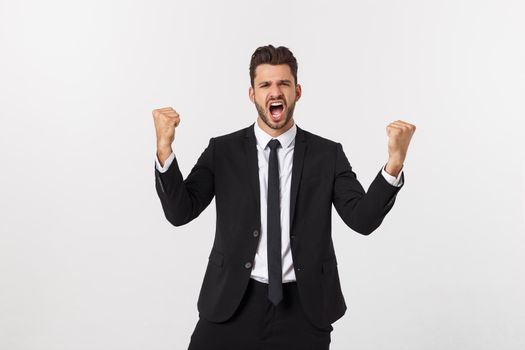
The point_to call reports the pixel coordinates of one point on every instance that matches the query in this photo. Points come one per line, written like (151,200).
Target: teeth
(276,104)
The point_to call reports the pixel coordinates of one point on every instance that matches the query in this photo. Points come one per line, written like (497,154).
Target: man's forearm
(393,167)
(163,152)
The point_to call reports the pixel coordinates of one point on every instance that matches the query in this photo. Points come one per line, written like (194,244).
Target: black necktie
(275,287)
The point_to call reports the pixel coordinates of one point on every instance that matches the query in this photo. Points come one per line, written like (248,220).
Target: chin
(276,125)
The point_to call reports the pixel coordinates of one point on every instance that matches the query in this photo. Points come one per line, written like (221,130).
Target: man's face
(274,95)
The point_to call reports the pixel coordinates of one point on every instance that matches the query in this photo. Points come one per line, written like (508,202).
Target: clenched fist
(166,120)
(399,136)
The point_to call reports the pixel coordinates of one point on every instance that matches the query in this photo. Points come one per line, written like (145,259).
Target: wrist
(393,167)
(163,153)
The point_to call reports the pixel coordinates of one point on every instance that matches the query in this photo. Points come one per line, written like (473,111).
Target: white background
(87,259)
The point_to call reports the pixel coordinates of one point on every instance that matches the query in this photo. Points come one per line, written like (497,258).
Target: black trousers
(259,325)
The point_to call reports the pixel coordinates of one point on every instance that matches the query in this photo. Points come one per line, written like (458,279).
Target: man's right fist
(166,120)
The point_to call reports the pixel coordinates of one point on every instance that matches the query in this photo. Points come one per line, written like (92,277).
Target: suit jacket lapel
(252,163)
(252,166)
(297,170)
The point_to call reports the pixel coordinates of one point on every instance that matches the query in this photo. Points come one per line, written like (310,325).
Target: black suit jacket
(321,176)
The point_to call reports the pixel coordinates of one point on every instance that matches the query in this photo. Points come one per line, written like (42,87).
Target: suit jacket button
(292,236)
(248,265)
(255,233)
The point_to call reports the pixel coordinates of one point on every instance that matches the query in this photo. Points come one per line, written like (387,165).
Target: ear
(298,92)
(251,94)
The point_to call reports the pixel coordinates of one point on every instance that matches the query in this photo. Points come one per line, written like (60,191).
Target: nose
(275,93)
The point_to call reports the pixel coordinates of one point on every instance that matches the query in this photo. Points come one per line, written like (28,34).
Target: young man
(272,280)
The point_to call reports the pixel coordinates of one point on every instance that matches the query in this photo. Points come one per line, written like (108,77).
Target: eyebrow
(280,81)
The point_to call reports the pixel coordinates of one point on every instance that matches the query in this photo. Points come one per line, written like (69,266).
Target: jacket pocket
(216,257)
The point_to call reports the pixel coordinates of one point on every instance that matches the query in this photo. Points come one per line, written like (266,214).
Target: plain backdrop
(87,258)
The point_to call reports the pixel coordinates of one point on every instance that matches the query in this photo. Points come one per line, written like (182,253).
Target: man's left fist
(399,135)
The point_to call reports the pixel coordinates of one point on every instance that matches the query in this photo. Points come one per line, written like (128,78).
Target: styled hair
(270,55)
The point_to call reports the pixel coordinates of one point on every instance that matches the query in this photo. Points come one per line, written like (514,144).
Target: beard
(263,113)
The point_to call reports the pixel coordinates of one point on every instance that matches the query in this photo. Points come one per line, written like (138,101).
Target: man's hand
(399,135)
(166,120)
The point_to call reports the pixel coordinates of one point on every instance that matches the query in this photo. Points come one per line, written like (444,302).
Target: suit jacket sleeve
(361,211)
(184,199)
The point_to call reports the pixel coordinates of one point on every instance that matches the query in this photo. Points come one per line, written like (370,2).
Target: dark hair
(274,56)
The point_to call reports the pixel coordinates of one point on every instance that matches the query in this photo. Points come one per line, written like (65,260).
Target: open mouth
(276,110)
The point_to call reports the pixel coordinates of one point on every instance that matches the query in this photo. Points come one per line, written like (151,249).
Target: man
(272,281)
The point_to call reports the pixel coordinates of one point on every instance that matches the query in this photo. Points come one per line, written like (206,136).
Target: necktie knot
(273,144)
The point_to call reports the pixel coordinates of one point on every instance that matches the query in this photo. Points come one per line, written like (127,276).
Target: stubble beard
(267,120)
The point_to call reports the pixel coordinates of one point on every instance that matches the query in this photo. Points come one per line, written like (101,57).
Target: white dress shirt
(285,158)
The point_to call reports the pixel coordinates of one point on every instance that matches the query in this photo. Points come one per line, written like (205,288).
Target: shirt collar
(286,139)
